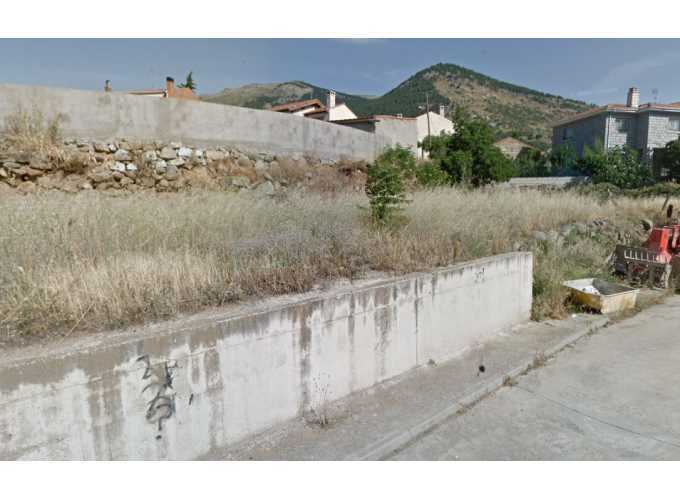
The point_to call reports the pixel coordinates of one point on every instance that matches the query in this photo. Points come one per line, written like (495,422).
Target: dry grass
(29,131)
(95,262)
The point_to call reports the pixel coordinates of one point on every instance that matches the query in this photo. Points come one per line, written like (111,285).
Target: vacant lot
(96,262)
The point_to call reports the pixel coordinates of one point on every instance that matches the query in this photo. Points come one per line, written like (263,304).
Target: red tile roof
(297,105)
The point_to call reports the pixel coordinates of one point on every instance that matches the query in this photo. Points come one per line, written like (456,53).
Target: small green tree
(532,163)
(189,83)
(430,174)
(563,159)
(469,155)
(619,166)
(385,184)
(667,161)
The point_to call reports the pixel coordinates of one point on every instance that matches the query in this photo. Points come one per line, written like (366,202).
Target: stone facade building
(644,127)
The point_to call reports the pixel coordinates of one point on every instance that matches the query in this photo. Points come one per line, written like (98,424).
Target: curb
(392,443)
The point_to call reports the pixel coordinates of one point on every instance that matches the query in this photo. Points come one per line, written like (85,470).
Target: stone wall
(183,390)
(131,165)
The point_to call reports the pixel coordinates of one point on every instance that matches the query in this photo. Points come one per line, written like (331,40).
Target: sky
(594,70)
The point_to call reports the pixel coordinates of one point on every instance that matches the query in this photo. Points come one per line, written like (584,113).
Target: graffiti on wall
(161,405)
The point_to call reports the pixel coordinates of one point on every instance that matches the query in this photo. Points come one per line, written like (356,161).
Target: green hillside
(511,109)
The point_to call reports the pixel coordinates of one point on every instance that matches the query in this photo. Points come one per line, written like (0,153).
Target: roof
(373,118)
(620,108)
(513,140)
(297,105)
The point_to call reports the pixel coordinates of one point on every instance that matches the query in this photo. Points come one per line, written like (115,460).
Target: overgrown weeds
(92,262)
(29,131)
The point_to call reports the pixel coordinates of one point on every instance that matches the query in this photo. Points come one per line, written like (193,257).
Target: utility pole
(427,106)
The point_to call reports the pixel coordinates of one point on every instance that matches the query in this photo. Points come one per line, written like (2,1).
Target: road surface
(612,396)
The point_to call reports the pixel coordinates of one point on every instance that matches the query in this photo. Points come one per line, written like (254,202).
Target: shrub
(469,155)
(563,159)
(532,163)
(385,186)
(429,175)
(29,131)
(667,161)
(618,166)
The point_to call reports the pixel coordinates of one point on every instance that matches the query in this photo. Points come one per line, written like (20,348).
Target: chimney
(400,115)
(330,100)
(169,86)
(633,97)
(107,86)
(442,110)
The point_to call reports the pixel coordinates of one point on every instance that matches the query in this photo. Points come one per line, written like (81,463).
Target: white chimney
(330,100)
(400,115)
(442,110)
(633,97)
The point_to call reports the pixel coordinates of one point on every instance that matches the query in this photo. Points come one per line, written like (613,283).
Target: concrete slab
(612,396)
(375,422)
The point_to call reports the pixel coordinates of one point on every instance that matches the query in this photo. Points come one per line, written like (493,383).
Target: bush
(532,163)
(667,161)
(469,155)
(563,159)
(429,175)
(385,183)
(29,131)
(620,167)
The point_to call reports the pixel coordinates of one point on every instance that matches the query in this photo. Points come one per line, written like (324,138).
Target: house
(406,131)
(313,108)
(644,127)
(512,147)
(169,91)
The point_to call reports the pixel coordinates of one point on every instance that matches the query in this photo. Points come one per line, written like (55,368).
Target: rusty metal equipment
(657,262)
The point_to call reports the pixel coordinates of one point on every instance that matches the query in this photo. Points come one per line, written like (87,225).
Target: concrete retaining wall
(180,393)
(113,115)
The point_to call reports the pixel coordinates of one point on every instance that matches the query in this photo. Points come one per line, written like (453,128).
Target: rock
(163,183)
(175,145)
(146,182)
(86,186)
(581,227)
(126,181)
(540,236)
(150,156)
(131,167)
(244,161)
(266,188)
(553,235)
(566,229)
(122,155)
(3,173)
(248,173)
(118,167)
(171,172)
(184,152)
(101,174)
(240,182)
(100,157)
(113,148)
(27,187)
(177,162)
(71,183)
(48,182)
(213,155)
(198,153)
(118,175)
(100,147)
(168,153)
(40,163)
(160,166)
(11,165)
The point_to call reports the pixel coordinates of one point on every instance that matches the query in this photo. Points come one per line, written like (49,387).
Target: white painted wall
(341,112)
(240,374)
(438,125)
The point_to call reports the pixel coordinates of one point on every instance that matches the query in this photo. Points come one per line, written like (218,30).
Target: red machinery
(657,261)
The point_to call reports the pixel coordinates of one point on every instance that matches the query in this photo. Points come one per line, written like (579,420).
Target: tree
(469,155)
(667,161)
(189,83)
(563,159)
(385,186)
(619,166)
(532,163)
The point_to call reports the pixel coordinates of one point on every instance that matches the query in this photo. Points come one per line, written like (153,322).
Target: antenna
(655,93)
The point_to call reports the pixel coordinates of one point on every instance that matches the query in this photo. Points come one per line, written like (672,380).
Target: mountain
(511,109)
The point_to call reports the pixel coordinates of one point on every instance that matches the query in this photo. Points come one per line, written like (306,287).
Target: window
(567,133)
(674,124)
(622,124)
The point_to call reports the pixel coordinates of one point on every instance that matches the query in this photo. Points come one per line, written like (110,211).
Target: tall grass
(29,131)
(95,262)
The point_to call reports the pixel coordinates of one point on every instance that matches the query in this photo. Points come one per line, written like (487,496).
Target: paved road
(615,395)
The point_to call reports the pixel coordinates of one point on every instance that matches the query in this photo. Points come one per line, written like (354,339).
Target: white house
(312,108)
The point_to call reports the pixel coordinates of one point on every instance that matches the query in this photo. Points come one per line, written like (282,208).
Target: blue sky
(594,70)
